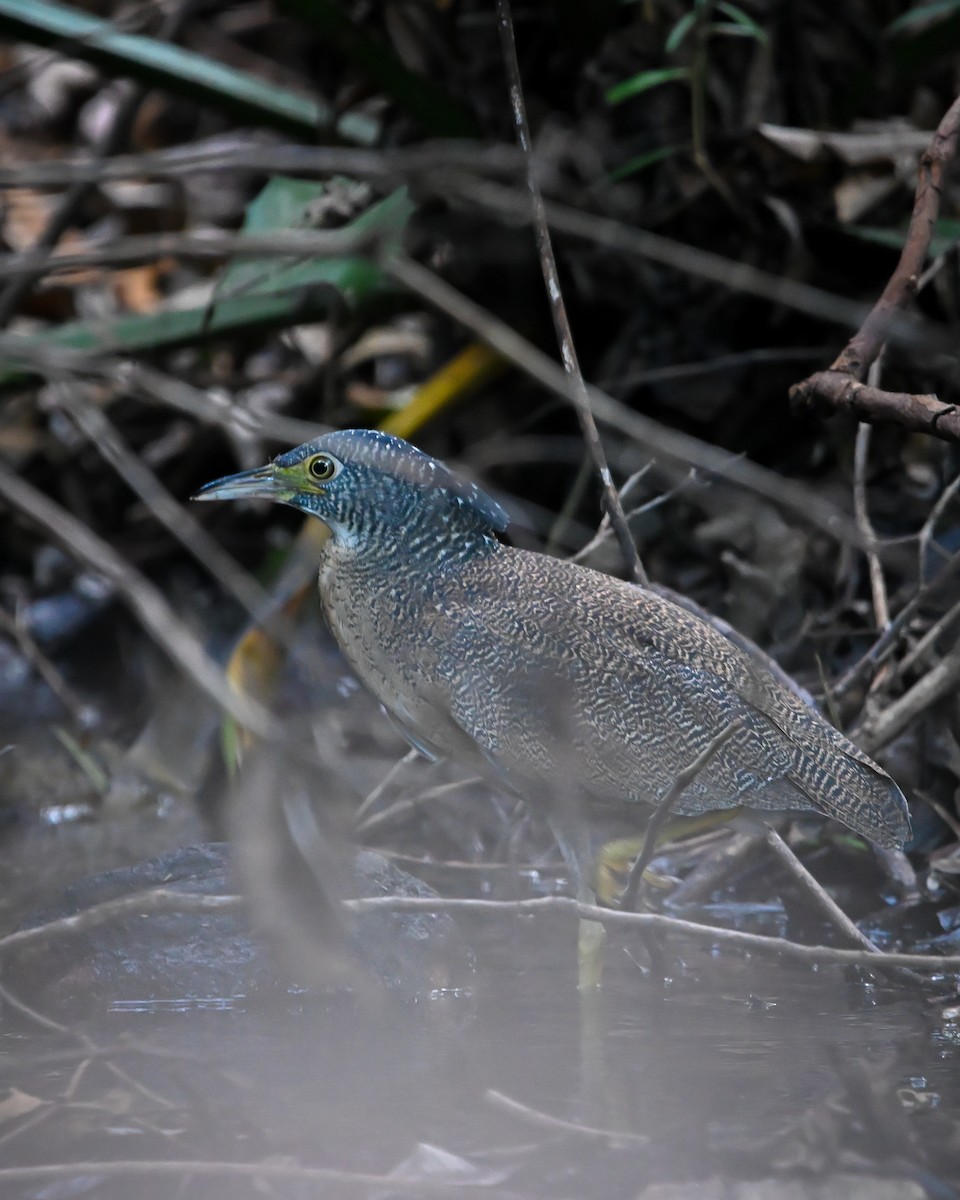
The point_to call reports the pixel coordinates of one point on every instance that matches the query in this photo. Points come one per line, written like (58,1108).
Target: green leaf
(644,82)
(946,235)
(926,14)
(634,166)
(274,291)
(284,204)
(742,22)
(164,65)
(679,31)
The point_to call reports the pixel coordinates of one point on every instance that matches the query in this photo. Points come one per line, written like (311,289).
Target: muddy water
(717,1067)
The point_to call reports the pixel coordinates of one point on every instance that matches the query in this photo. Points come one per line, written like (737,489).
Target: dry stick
(113,139)
(930,524)
(878,587)
(170,900)
(534,1116)
(876,731)
(561,321)
(604,532)
(925,414)
(143,381)
(39,1116)
(87,1044)
(884,646)
(147,601)
(377,791)
(106,440)
(188,531)
(449,169)
(948,818)
(628,900)
(713,870)
(427,162)
(841,386)
(926,643)
(212,408)
(251,1171)
(208,246)
(152,900)
(15,628)
(711,934)
(658,439)
(824,902)
(435,167)
(733,275)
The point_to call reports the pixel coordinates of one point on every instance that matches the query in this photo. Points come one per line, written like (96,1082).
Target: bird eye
(322,468)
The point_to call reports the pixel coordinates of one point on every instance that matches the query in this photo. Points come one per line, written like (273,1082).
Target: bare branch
(561,321)
(841,388)
(144,599)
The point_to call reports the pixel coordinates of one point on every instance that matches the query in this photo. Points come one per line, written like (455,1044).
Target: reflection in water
(728,1066)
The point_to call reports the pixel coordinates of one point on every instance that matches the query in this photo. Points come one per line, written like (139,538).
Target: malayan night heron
(579,691)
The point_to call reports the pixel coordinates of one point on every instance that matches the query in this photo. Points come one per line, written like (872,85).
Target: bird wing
(558,673)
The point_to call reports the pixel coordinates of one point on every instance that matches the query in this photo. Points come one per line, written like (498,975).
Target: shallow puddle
(514,1083)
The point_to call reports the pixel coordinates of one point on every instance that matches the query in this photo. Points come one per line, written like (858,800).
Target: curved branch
(842,387)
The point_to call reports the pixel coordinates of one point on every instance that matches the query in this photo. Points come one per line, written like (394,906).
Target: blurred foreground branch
(145,600)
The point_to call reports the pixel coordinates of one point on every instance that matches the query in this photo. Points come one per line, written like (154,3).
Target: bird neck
(424,549)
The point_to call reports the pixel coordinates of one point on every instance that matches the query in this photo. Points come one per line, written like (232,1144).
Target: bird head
(362,484)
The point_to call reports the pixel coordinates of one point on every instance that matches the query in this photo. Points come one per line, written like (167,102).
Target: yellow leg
(612,865)
(591,950)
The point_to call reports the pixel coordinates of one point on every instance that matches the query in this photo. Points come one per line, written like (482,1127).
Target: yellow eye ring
(321,468)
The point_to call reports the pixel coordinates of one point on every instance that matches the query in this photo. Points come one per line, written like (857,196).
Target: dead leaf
(887,144)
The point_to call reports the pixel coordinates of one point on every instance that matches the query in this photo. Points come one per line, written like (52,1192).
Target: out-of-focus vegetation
(212,220)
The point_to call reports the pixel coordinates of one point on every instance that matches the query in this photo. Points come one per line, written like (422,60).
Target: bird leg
(615,864)
(657,822)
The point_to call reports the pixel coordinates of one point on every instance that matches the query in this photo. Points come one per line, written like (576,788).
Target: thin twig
(684,778)
(925,540)
(821,898)
(658,439)
(561,321)
(259,605)
(534,1116)
(170,900)
(452,169)
(884,646)
(111,142)
(80,712)
(151,900)
(146,600)
(105,438)
(420,1185)
(841,387)
(864,347)
(878,587)
(928,641)
(212,245)
(604,532)
(710,934)
(144,382)
(89,1046)
(428,162)
(375,793)
(942,678)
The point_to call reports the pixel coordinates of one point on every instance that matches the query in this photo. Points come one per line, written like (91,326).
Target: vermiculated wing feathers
(628,692)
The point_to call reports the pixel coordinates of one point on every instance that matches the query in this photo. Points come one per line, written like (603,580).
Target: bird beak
(262,483)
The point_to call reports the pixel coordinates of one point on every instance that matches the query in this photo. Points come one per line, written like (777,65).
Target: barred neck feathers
(416,534)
